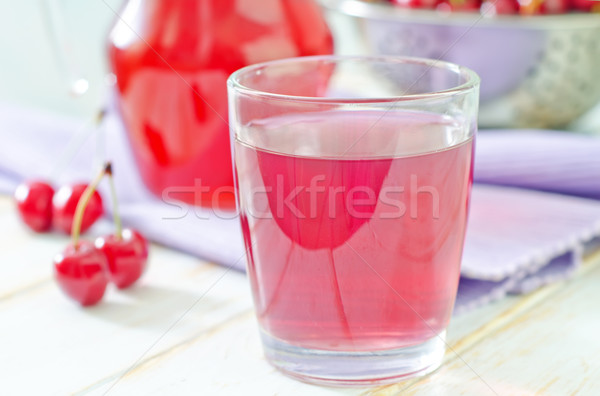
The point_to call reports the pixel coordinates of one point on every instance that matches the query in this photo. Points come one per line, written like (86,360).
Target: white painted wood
(550,349)
(226,362)
(49,345)
(545,343)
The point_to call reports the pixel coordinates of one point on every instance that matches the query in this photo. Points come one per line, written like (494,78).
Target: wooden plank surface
(544,344)
(188,328)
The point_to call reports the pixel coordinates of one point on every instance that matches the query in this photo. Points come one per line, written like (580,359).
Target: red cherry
(81,273)
(126,256)
(64,204)
(459,5)
(544,7)
(500,7)
(555,6)
(427,4)
(586,5)
(34,203)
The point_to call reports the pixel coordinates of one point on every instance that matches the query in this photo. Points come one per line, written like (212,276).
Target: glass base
(355,368)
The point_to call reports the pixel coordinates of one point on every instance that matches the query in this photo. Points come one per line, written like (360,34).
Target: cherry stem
(82,204)
(115,203)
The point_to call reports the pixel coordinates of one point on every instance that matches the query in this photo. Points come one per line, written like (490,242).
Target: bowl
(536,71)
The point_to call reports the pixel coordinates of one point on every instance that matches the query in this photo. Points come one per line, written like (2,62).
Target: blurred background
(35,74)
(32,72)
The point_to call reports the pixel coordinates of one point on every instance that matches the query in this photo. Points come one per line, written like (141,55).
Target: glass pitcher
(172,58)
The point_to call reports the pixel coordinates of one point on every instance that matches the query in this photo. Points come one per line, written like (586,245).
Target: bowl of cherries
(84,268)
(537,59)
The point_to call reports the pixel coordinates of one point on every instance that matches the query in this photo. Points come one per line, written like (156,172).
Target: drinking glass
(353,177)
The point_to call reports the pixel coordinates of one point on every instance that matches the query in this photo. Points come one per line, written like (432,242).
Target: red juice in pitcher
(354,222)
(172,59)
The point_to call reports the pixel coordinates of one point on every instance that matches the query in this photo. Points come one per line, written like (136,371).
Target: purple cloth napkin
(517,239)
(552,161)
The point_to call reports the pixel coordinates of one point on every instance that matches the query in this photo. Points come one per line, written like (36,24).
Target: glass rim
(472,79)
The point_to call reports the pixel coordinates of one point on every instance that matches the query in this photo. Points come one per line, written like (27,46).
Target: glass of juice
(353,177)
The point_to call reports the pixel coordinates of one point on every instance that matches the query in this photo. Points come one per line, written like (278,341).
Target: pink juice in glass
(354,223)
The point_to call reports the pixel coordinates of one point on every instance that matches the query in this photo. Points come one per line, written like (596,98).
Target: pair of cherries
(41,208)
(84,268)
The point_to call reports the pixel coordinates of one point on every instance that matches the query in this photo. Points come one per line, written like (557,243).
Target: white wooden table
(188,328)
